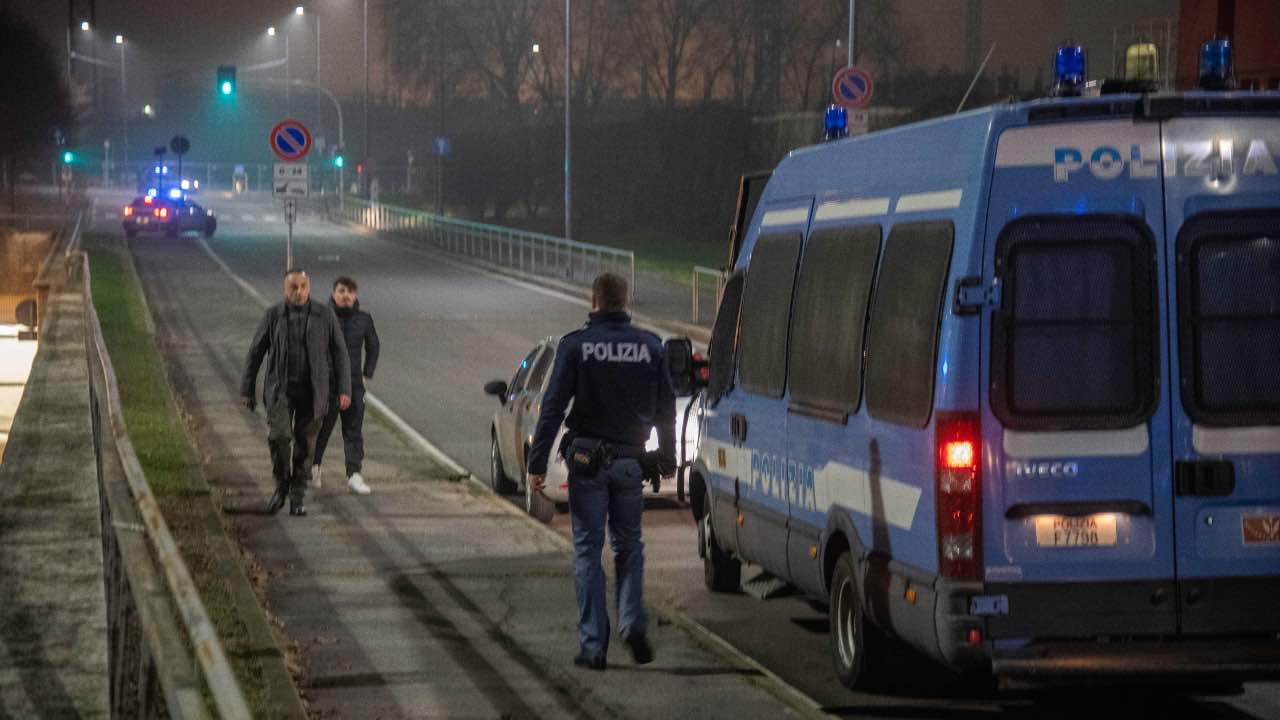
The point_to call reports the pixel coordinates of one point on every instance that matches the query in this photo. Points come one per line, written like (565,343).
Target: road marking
(247,218)
(269,218)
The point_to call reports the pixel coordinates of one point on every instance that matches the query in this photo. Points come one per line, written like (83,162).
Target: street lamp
(271,31)
(84,25)
(124,100)
(120,40)
(537,48)
(299,11)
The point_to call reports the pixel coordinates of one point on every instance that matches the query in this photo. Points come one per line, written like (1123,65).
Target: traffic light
(227,80)
(68,157)
(338,161)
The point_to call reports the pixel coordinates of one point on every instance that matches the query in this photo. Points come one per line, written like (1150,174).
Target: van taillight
(959,503)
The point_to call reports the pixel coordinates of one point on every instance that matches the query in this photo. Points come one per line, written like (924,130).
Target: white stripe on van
(785,217)
(1236,440)
(939,200)
(1080,443)
(838,484)
(834,484)
(845,209)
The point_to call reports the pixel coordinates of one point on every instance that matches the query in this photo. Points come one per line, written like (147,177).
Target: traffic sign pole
(290,141)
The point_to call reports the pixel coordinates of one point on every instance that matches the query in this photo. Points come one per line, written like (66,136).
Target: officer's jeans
(352,430)
(291,422)
(615,495)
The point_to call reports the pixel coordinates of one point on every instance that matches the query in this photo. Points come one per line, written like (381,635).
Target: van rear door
(1078,524)
(1223,216)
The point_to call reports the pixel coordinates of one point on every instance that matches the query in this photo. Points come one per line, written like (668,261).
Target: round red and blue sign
(852,87)
(290,140)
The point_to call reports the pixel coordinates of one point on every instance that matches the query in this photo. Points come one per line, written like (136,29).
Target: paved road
(447,328)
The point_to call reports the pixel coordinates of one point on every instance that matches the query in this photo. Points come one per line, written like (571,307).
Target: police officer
(617,376)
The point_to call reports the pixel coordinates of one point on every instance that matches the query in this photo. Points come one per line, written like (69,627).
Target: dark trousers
(352,430)
(290,423)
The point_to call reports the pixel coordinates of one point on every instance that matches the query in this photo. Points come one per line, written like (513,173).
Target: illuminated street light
(537,48)
(271,31)
(119,39)
(148,111)
(298,10)
(84,25)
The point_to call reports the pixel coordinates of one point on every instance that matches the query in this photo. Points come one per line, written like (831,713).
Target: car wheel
(721,571)
(498,479)
(853,639)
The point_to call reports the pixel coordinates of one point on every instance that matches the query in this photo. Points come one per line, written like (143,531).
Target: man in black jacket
(303,342)
(360,335)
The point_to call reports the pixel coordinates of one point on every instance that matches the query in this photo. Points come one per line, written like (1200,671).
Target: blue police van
(1005,386)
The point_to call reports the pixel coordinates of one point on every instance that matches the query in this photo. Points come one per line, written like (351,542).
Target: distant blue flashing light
(1068,71)
(835,123)
(175,193)
(152,192)
(1215,65)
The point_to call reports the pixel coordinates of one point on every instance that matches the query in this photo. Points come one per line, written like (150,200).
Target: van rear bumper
(1236,658)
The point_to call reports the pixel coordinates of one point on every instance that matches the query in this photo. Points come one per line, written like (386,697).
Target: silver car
(511,435)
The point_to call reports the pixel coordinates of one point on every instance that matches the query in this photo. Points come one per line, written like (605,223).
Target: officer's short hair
(347,283)
(609,291)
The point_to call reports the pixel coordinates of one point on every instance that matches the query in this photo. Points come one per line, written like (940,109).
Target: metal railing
(704,279)
(156,668)
(527,252)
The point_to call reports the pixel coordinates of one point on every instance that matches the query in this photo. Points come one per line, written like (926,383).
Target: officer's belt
(617,451)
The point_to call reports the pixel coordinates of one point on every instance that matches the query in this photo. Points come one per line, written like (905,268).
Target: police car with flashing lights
(1002,386)
(511,435)
(172,212)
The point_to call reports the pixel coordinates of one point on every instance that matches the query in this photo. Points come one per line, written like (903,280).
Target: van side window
(766,307)
(830,317)
(1229,318)
(902,337)
(1073,344)
(724,339)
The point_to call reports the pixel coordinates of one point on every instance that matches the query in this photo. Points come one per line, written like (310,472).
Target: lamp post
(568,84)
(124,100)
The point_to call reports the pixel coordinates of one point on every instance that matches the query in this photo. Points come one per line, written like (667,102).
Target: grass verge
(170,463)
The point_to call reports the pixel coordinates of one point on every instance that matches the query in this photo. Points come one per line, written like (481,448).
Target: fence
(532,253)
(704,279)
(156,669)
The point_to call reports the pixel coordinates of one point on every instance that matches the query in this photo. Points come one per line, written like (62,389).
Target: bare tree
(665,35)
(29,79)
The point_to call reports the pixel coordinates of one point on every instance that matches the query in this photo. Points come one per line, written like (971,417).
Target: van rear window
(1229,318)
(1073,342)
(902,333)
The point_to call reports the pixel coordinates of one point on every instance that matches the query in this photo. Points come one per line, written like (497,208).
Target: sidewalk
(428,598)
(53,626)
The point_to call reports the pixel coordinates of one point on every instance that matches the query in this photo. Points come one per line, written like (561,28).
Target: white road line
(269,218)
(247,218)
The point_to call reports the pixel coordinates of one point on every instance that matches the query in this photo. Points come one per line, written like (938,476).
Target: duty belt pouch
(585,457)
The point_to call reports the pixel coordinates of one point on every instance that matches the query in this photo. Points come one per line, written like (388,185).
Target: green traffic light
(68,157)
(338,161)
(226,87)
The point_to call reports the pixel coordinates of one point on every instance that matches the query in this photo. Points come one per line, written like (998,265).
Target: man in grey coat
(306,351)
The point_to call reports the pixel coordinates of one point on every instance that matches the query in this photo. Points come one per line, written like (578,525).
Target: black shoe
(641,650)
(590,662)
(277,502)
(297,509)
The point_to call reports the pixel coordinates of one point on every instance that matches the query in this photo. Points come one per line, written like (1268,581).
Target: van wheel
(498,479)
(849,627)
(721,571)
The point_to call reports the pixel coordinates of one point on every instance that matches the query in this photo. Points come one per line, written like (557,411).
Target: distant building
(1252,25)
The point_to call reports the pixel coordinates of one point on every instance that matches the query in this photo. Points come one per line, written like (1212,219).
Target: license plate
(1261,529)
(1071,532)
(144,220)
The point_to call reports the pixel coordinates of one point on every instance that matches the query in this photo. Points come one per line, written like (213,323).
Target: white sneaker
(315,476)
(356,484)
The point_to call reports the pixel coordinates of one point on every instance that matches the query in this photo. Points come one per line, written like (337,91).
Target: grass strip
(170,463)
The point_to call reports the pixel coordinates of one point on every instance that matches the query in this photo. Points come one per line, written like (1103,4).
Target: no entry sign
(290,140)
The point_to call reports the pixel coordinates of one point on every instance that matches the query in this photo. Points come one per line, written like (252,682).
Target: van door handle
(1206,478)
(738,427)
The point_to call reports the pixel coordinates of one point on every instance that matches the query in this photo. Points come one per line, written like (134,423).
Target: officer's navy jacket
(616,375)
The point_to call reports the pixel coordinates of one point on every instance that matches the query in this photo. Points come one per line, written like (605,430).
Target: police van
(1005,386)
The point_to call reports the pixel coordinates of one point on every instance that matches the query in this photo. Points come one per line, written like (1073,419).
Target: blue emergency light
(175,193)
(1215,65)
(1068,71)
(835,123)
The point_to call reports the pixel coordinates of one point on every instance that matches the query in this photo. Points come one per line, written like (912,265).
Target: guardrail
(533,253)
(703,279)
(156,668)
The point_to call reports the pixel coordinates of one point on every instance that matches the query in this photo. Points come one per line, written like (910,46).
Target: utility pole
(568,95)
(366,81)
(849,44)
